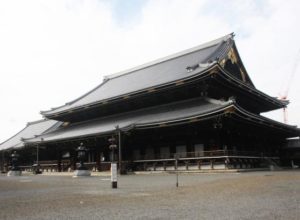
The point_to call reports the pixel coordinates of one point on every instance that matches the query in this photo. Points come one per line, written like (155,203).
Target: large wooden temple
(199,104)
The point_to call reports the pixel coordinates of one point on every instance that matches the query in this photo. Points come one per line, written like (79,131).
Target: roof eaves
(222,110)
(21,140)
(12,137)
(207,68)
(267,120)
(223,105)
(39,139)
(250,88)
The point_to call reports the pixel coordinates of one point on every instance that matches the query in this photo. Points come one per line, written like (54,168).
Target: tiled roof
(158,72)
(31,130)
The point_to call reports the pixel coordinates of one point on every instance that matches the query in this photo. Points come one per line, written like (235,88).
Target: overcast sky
(52,51)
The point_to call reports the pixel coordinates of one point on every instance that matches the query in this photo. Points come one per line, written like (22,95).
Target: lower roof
(163,115)
(31,130)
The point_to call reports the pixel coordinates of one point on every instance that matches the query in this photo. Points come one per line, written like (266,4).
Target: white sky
(52,51)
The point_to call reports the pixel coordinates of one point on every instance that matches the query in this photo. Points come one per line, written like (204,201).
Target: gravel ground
(253,195)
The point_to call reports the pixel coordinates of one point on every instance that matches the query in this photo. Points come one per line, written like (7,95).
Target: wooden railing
(65,165)
(203,154)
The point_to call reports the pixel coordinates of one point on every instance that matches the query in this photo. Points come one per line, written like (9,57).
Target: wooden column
(58,157)
(121,171)
(98,160)
(73,159)
(2,162)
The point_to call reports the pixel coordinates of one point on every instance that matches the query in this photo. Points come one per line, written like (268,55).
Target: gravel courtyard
(253,195)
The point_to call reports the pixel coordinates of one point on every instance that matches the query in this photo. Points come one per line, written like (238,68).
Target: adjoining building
(291,153)
(199,104)
(16,142)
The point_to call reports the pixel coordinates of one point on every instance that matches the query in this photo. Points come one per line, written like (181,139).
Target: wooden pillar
(2,162)
(98,160)
(73,159)
(58,157)
(199,164)
(187,165)
(226,161)
(121,168)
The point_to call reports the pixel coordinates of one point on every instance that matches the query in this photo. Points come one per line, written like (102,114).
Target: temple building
(16,142)
(199,104)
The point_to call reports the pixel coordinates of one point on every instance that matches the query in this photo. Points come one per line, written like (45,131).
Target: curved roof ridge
(17,139)
(27,125)
(172,56)
(98,86)
(261,117)
(75,100)
(37,121)
(13,136)
(53,127)
(250,87)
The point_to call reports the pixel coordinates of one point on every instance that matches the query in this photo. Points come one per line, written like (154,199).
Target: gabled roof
(150,75)
(166,72)
(31,130)
(181,112)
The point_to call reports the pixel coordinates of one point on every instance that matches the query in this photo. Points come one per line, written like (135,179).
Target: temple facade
(199,105)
